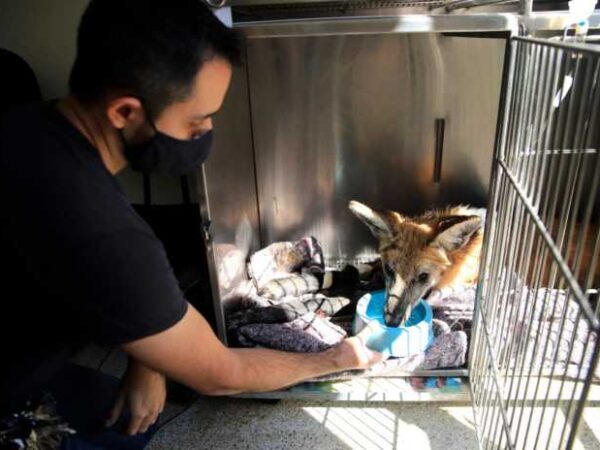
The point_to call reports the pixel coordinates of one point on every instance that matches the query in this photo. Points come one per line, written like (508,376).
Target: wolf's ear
(455,231)
(376,222)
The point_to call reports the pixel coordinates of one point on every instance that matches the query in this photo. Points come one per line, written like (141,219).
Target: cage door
(534,358)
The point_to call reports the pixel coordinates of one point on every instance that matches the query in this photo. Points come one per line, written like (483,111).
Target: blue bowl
(415,336)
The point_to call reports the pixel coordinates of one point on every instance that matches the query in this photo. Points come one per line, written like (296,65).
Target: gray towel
(309,333)
(540,316)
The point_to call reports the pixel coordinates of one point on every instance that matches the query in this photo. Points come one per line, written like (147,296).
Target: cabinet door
(340,118)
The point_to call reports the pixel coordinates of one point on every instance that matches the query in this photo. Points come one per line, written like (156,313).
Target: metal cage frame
(535,351)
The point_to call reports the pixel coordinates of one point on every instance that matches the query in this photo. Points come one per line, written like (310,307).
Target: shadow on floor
(228,423)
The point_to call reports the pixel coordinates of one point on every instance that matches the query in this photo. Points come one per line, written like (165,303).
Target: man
(81,265)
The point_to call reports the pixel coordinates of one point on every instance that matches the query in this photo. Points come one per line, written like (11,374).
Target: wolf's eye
(423,278)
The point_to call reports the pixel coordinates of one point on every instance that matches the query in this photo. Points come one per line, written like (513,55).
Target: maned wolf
(439,248)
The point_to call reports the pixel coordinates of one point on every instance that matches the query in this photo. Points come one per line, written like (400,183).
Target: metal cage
(535,353)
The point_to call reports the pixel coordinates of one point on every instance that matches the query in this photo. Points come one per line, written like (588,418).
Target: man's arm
(190,353)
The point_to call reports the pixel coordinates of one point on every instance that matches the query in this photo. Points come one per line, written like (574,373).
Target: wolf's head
(415,252)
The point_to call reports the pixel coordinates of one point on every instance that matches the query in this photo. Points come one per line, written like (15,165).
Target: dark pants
(84,399)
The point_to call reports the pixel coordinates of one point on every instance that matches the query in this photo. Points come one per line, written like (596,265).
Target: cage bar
(536,344)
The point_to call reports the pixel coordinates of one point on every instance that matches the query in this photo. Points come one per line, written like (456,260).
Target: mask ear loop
(147,113)
(147,186)
(146,180)
(146,116)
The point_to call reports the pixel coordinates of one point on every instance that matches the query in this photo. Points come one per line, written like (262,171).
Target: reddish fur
(413,235)
(464,268)
(409,248)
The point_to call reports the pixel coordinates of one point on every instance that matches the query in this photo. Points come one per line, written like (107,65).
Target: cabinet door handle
(440,126)
(206,230)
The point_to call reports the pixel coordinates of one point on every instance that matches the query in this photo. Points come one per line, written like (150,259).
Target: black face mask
(168,155)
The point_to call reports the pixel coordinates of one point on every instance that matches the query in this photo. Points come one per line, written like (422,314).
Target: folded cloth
(456,295)
(454,306)
(310,281)
(250,300)
(448,350)
(291,286)
(440,327)
(280,259)
(309,333)
(555,333)
(287,310)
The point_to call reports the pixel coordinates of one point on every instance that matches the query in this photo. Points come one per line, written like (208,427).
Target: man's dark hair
(148,48)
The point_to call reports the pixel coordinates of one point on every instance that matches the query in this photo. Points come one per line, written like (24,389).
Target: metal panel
(553,21)
(537,330)
(380,24)
(405,4)
(353,117)
(382,21)
(227,192)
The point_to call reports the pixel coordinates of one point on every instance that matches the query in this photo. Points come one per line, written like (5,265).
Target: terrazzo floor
(231,423)
(225,423)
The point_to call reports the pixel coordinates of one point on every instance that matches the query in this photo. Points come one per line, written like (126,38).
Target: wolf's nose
(395,319)
(392,320)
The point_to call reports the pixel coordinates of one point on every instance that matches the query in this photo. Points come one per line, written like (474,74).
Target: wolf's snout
(397,310)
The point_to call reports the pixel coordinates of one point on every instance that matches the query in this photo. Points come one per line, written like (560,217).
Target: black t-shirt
(79,265)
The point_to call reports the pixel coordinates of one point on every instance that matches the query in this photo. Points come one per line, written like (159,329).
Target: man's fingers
(148,421)
(373,356)
(134,424)
(365,338)
(377,357)
(116,411)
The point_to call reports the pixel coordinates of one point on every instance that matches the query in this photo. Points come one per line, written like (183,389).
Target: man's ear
(455,232)
(376,222)
(125,110)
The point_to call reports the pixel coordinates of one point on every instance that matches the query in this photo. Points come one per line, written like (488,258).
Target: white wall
(44,33)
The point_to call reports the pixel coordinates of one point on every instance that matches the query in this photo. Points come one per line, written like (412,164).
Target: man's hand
(353,353)
(144,391)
